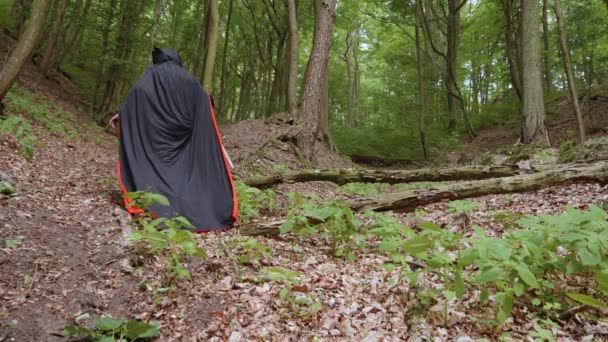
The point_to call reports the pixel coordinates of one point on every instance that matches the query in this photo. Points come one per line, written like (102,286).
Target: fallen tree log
(410,200)
(378,161)
(343,176)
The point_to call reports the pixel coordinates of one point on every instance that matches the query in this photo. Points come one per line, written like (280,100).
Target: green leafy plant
(165,235)
(333,220)
(14,243)
(461,207)
(112,329)
(7,188)
(293,292)
(247,251)
(253,200)
(22,131)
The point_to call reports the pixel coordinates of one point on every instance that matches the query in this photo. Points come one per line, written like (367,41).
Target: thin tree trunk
(349,80)
(420,76)
(533,107)
(211,45)
(313,137)
(157,13)
(563,44)
(547,50)
(292,79)
(22,51)
(73,32)
(47,59)
(223,95)
(104,51)
(512,50)
(453,35)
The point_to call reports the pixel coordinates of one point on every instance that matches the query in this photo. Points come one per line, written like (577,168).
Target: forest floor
(66,257)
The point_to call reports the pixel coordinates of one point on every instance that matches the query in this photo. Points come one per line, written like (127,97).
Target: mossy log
(344,176)
(409,200)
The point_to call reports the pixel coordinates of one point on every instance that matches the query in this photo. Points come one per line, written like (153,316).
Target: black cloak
(170,145)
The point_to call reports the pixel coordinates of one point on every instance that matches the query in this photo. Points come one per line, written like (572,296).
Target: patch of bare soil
(561,126)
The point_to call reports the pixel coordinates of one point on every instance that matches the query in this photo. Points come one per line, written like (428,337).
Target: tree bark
(104,51)
(73,32)
(157,13)
(223,95)
(563,44)
(211,45)
(547,50)
(453,39)
(344,176)
(410,200)
(313,137)
(533,108)
(420,75)
(22,51)
(512,50)
(292,104)
(47,59)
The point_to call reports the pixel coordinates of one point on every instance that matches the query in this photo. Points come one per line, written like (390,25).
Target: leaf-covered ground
(65,252)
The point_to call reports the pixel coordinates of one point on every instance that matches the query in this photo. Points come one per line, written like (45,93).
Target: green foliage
(364,189)
(253,200)
(525,265)
(568,151)
(14,243)
(293,292)
(7,188)
(112,329)
(173,240)
(333,220)
(247,251)
(49,115)
(461,207)
(22,131)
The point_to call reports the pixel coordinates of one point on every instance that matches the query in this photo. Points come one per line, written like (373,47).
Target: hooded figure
(170,145)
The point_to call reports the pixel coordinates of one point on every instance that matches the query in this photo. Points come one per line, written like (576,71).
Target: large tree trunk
(211,45)
(344,176)
(410,200)
(22,51)
(563,44)
(292,79)
(313,137)
(533,107)
(47,59)
(420,75)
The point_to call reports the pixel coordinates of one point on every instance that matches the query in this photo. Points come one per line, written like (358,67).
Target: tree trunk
(420,75)
(22,51)
(211,45)
(512,50)
(292,79)
(453,38)
(223,95)
(47,59)
(104,51)
(344,176)
(158,7)
(313,137)
(563,44)
(73,32)
(533,108)
(547,50)
(410,200)
(199,58)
